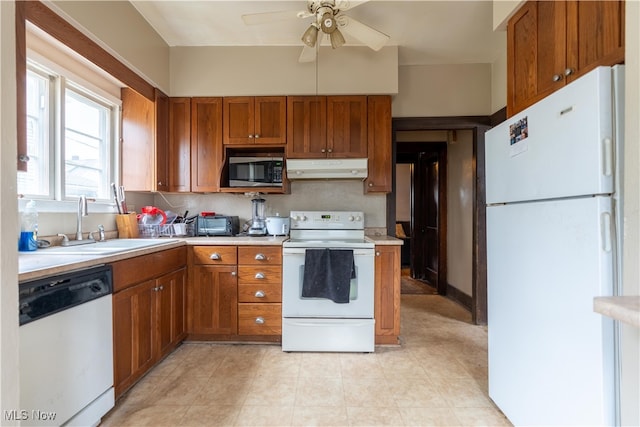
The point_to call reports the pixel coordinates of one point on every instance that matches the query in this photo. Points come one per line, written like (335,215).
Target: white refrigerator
(553,222)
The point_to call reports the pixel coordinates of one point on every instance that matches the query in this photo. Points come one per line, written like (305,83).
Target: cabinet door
(347,126)
(206,144)
(133,349)
(270,120)
(238,113)
(213,300)
(387,294)
(306,127)
(595,35)
(162,141)
(379,141)
(137,150)
(180,144)
(170,311)
(536,53)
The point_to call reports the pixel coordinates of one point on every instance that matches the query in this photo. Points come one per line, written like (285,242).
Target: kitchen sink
(102,248)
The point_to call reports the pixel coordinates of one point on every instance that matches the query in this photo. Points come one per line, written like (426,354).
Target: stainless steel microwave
(255,171)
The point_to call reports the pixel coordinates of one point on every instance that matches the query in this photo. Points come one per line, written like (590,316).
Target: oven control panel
(330,220)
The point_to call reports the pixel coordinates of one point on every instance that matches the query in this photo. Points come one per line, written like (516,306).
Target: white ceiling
(426,32)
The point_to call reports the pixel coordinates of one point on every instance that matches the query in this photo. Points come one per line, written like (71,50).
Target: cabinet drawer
(259,319)
(259,292)
(260,255)
(214,255)
(131,271)
(260,274)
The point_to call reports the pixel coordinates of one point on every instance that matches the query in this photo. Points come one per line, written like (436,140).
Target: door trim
(478,125)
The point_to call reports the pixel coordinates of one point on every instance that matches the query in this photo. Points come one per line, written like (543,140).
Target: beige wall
(499,82)
(460,197)
(8,216)
(502,11)
(443,90)
(221,71)
(120,29)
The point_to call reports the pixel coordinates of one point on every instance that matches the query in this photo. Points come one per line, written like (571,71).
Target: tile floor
(438,377)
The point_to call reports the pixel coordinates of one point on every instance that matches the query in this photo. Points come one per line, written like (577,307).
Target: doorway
(478,126)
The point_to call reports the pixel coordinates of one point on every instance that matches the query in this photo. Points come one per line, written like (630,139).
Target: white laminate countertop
(35,265)
(623,308)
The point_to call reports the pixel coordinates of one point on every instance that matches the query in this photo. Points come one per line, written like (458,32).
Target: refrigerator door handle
(607,158)
(606,231)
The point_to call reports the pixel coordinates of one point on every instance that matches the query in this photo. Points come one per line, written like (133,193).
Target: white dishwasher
(66,349)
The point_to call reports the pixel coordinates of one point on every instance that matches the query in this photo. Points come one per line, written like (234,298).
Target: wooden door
(169,293)
(536,53)
(134,344)
(238,117)
(213,300)
(595,35)
(387,294)
(306,127)
(379,149)
(180,144)
(270,120)
(347,126)
(206,144)
(162,141)
(137,150)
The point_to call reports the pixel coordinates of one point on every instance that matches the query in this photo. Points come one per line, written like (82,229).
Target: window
(71,139)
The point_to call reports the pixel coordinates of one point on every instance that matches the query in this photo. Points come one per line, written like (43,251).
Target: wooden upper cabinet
(347,126)
(379,140)
(162,141)
(180,144)
(138,153)
(595,35)
(254,120)
(206,144)
(551,43)
(306,127)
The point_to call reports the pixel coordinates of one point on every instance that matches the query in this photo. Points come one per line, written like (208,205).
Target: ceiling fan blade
(266,17)
(308,54)
(364,33)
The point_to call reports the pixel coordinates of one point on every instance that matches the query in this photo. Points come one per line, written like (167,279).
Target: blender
(258,220)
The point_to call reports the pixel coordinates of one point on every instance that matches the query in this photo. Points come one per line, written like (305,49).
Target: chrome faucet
(82,211)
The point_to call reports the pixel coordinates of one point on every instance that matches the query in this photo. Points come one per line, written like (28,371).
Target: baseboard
(458,296)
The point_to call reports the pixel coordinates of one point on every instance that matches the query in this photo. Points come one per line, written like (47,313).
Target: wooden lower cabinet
(213,300)
(387,294)
(148,323)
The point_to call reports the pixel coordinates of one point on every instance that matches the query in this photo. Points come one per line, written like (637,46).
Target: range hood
(326,169)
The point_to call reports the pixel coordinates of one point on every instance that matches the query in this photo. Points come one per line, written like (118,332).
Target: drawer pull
(233,273)
(260,320)
(215,256)
(260,294)
(259,276)
(260,257)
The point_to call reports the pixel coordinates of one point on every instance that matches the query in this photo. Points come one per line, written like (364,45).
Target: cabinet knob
(557,77)
(250,136)
(260,294)
(377,253)
(323,150)
(233,273)
(568,71)
(330,150)
(161,287)
(159,182)
(257,136)
(260,257)
(215,256)
(259,275)
(259,320)
(371,184)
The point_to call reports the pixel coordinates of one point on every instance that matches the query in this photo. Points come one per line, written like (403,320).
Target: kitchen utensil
(258,223)
(277,225)
(116,197)
(123,204)
(152,216)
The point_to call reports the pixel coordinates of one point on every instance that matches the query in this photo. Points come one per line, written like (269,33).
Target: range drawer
(260,255)
(214,255)
(259,319)
(259,292)
(260,274)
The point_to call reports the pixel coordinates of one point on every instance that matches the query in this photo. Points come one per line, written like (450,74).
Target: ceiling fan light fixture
(310,36)
(328,23)
(337,39)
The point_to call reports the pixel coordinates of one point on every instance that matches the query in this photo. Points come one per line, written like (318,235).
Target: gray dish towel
(328,274)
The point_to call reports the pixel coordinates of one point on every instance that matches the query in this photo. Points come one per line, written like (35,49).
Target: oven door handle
(301,251)
(320,323)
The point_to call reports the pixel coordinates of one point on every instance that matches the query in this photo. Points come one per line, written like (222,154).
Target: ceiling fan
(328,19)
